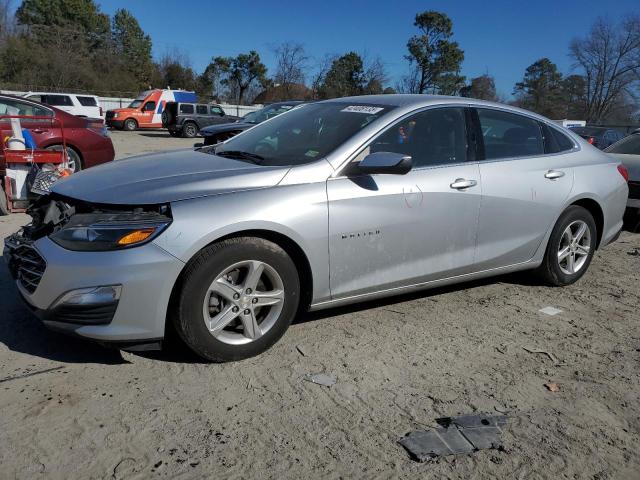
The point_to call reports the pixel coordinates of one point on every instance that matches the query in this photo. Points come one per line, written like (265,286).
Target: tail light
(100,111)
(624,172)
(98,127)
(591,140)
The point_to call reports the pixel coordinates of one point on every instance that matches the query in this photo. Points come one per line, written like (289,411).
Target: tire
(566,240)
(189,130)
(218,327)
(4,207)
(130,125)
(75,162)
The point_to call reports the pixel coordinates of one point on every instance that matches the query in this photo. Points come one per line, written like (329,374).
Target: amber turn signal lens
(136,236)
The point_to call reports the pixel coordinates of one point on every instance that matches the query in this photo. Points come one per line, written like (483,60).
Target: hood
(632,162)
(226,127)
(166,177)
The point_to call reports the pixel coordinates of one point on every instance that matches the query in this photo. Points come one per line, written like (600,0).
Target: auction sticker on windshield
(362,109)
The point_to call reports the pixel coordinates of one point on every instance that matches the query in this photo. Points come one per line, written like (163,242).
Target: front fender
(298,212)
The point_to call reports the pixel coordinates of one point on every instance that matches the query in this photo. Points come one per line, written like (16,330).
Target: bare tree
(409,83)
(291,63)
(321,69)
(610,58)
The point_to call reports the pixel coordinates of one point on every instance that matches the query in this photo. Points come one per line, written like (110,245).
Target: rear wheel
(189,130)
(75,162)
(130,124)
(570,248)
(237,299)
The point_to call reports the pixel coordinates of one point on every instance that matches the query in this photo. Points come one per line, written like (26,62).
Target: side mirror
(385,162)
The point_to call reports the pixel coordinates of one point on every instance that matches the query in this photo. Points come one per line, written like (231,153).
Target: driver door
(388,231)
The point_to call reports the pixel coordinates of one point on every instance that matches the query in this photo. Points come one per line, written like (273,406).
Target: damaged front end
(78,226)
(74,262)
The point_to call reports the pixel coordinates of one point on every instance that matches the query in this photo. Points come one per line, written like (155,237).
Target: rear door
(388,231)
(523,187)
(62,102)
(40,129)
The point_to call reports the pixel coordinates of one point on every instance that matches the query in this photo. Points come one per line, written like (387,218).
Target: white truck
(78,104)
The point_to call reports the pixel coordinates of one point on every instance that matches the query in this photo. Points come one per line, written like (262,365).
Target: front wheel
(237,299)
(130,124)
(571,247)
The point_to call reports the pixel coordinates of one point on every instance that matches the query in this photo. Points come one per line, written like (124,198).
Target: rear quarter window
(87,101)
(186,108)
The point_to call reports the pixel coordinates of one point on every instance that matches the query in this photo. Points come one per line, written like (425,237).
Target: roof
(410,101)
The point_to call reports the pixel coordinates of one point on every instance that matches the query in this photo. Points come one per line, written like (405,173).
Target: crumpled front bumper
(146,275)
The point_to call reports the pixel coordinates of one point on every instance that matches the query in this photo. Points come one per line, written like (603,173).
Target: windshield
(303,135)
(250,117)
(627,146)
(269,112)
(137,103)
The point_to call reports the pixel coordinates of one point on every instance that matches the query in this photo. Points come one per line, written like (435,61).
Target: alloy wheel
(243,302)
(574,248)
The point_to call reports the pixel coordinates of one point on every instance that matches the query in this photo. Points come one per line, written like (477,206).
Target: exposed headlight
(104,231)
(116,114)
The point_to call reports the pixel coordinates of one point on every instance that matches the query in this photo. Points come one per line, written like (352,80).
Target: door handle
(553,174)
(461,184)
(39,130)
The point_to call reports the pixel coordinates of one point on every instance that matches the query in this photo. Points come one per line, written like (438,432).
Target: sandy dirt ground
(72,409)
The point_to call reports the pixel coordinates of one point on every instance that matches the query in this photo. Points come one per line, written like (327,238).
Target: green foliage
(437,59)
(238,74)
(344,78)
(482,88)
(541,89)
(132,45)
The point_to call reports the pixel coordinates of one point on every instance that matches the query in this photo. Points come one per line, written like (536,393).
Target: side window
(149,106)
(58,100)
(186,108)
(554,140)
(35,98)
(436,136)
(201,109)
(87,101)
(216,111)
(13,107)
(508,135)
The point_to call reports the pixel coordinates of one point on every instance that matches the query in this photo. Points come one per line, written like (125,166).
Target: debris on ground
(551,356)
(457,435)
(321,379)
(634,253)
(552,387)
(300,351)
(550,311)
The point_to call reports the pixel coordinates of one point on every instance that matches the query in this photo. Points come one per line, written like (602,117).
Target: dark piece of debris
(461,434)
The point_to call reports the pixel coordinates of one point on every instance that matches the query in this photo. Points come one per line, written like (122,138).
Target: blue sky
(499,37)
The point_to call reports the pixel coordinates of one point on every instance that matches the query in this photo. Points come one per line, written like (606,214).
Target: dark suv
(186,119)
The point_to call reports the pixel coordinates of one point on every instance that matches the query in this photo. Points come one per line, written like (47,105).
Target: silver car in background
(331,203)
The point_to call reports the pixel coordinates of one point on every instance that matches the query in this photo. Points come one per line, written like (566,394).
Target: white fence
(110,103)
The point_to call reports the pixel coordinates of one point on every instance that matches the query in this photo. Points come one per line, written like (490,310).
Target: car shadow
(155,134)
(518,278)
(21,331)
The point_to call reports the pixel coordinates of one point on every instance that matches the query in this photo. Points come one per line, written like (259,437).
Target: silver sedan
(331,203)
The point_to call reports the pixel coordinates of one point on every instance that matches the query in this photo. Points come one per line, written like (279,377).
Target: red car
(87,139)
